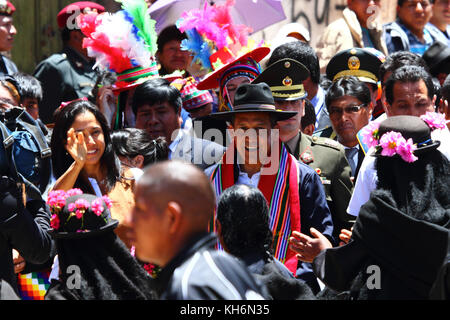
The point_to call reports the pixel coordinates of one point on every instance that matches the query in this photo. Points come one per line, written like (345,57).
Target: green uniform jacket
(327,158)
(64,77)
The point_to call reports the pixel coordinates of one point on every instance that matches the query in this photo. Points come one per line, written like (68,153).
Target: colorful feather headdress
(123,42)
(211,31)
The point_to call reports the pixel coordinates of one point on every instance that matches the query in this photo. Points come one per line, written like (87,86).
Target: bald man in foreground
(174,202)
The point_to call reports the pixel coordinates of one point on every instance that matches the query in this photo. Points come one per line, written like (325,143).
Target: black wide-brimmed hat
(358,62)
(250,97)
(285,78)
(437,58)
(80,216)
(409,127)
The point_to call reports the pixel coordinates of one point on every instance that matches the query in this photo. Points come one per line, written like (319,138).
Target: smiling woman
(83,157)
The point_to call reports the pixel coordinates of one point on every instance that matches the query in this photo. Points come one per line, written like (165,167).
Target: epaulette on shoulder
(327,142)
(58,58)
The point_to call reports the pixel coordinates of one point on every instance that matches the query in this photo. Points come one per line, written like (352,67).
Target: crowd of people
(281,172)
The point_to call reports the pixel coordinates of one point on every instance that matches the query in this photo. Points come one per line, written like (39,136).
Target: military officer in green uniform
(67,75)
(324,155)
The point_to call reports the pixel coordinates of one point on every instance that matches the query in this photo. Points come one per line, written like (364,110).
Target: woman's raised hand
(76,146)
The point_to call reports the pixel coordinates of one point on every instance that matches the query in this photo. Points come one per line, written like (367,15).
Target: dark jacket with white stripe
(199,272)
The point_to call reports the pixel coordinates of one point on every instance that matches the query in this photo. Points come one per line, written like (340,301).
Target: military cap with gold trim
(358,62)
(285,79)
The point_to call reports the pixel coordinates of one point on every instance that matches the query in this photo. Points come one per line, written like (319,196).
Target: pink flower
(406,150)
(71,207)
(370,134)
(389,142)
(97,206)
(54,222)
(79,213)
(56,200)
(74,192)
(107,201)
(434,120)
(82,204)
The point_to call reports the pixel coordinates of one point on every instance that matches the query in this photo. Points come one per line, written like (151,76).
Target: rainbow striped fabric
(281,192)
(34,285)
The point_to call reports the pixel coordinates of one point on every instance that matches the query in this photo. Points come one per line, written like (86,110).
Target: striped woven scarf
(281,192)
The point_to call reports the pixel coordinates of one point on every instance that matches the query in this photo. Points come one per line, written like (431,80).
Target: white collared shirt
(245,179)
(173,145)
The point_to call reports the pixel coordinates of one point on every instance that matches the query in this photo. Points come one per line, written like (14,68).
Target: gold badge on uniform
(287,81)
(354,63)
(287,64)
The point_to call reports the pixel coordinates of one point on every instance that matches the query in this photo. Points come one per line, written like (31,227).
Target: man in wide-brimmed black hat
(257,157)
(285,78)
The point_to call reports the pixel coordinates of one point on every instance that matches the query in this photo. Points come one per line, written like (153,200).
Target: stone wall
(315,15)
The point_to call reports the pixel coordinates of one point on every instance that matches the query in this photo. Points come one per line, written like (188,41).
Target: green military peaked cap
(285,79)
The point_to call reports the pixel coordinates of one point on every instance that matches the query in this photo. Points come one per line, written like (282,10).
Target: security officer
(67,75)
(363,63)
(7,34)
(325,156)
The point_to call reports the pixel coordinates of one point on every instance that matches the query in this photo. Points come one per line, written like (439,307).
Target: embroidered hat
(254,98)
(285,78)
(191,96)
(76,215)
(224,63)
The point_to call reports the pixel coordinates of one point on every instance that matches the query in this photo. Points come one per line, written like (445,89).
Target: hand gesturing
(76,146)
(306,247)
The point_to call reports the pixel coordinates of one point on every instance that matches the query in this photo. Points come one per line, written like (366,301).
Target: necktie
(350,153)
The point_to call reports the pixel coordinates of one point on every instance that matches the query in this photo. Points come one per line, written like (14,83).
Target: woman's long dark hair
(108,270)
(420,189)
(62,160)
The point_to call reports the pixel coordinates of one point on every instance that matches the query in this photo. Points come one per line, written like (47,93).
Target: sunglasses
(335,111)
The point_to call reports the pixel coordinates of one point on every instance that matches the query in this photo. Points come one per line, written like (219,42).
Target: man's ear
(441,106)
(309,130)
(387,107)
(175,216)
(370,109)
(219,234)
